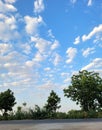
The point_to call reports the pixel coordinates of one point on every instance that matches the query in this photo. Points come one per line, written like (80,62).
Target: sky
(44,42)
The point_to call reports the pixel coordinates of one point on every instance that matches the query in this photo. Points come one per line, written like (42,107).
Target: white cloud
(57,59)
(11,22)
(10,8)
(5,48)
(6,34)
(38,6)
(55,45)
(45,49)
(6,7)
(15,70)
(8,23)
(48,85)
(10,1)
(77,40)
(98,39)
(95,64)
(39,57)
(10,65)
(89,3)
(50,33)
(41,44)
(95,30)
(26,48)
(88,51)
(47,69)
(8,28)
(73,1)
(29,63)
(32,63)
(67,80)
(32,24)
(64,74)
(71,53)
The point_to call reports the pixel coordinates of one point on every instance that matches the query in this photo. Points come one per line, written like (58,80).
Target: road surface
(65,124)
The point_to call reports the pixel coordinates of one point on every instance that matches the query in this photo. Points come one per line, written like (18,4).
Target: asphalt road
(86,124)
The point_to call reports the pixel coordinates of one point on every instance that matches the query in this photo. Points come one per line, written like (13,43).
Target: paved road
(86,124)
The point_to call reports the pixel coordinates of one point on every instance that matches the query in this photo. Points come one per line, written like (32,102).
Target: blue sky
(44,42)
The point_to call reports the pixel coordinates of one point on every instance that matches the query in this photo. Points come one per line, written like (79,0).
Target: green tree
(7,101)
(19,109)
(52,103)
(24,104)
(86,90)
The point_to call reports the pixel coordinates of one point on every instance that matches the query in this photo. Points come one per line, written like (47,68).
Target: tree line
(85,89)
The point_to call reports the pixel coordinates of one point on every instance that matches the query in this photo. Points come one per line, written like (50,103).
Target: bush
(92,114)
(75,114)
(61,115)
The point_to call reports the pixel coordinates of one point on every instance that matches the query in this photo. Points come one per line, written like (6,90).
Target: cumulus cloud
(5,48)
(6,34)
(77,40)
(11,22)
(95,31)
(71,53)
(32,63)
(98,39)
(73,1)
(38,6)
(54,45)
(50,34)
(6,7)
(10,1)
(39,57)
(41,44)
(66,77)
(45,48)
(26,48)
(95,64)
(88,51)
(67,80)
(29,63)
(8,28)
(57,59)
(8,23)
(32,24)
(48,85)
(89,3)
(47,69)
(64,74)
(15,70)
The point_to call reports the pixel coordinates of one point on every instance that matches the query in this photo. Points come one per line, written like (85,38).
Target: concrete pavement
(86,124)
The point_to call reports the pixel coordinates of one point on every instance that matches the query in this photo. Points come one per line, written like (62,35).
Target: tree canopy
(7,101)
(86,90)
(52,102)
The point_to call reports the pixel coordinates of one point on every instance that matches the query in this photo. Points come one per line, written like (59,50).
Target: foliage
(86,90)
(39,113)
(7,101)
(52,104)
(76,114)
(61,115)
(79,114)
(92,114)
